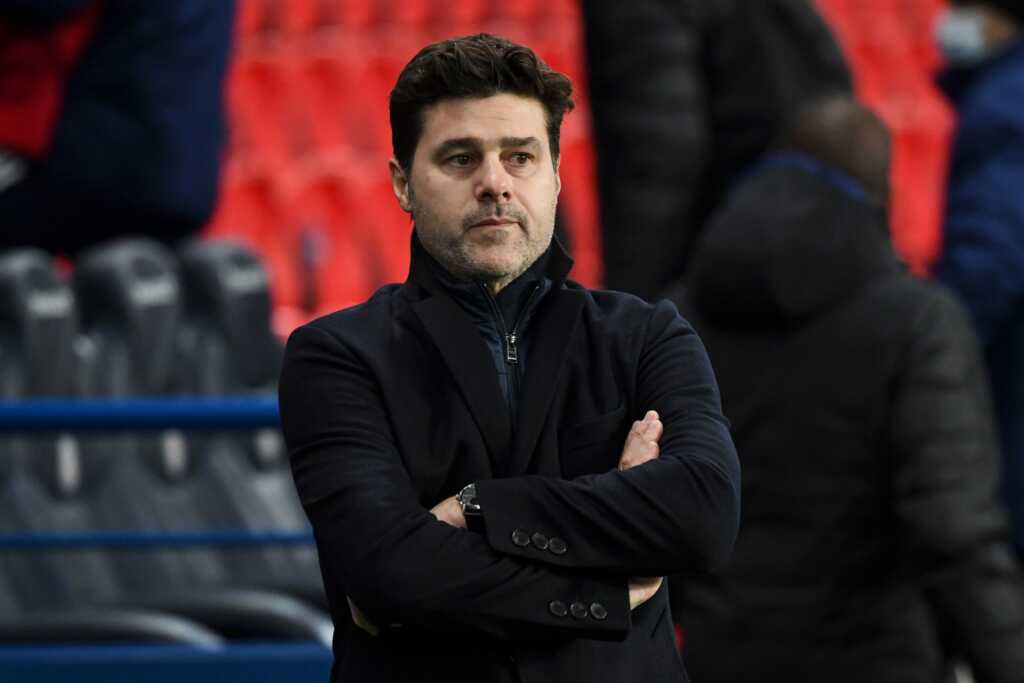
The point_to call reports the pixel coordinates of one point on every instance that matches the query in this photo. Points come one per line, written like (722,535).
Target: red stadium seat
(265,119)
(579,203)
(251,18)
(293,17)
(354,15)
(328,99)
(521,11)
(250,209)
(459,18)
(413,14)
(323,219)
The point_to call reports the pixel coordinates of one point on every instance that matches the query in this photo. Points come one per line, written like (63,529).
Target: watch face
(467,499)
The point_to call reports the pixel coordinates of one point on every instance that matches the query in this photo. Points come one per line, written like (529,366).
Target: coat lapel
(469,362)
(554,325)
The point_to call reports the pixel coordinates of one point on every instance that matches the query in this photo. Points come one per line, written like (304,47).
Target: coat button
(557,607)
(579,610)
(540,541)
(598,611)
(557,546)
(520,538)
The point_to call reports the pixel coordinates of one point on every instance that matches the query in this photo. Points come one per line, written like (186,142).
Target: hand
(642,589)
(360,619)
(450,512)
(642,441)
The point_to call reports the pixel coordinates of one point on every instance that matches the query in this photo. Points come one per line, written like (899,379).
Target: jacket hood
(794,239)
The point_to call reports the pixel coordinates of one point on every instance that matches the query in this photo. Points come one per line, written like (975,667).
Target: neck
(495,286)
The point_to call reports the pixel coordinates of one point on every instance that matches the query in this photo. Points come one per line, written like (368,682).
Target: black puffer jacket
(685,94)
(872,545)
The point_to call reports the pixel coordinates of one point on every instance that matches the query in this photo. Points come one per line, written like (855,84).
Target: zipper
(511,343)
(511,350)
(511,337)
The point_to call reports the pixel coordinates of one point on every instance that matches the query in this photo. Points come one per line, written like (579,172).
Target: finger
(360,619)
(654,430)
(652,415)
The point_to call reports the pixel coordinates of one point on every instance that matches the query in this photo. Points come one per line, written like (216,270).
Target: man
(684,96)
(462,443)
(874,546)
(983,252)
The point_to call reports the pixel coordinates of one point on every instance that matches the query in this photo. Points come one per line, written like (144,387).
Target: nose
(493,182)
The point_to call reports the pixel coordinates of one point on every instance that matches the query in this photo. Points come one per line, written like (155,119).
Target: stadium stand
(132,302)
(228,348)
(313,227)
(308,105)
(43,481)
(124,331)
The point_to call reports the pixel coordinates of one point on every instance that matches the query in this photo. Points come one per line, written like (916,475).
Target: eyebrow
(453,144)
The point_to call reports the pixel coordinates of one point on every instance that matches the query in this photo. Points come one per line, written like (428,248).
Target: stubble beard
(455,251)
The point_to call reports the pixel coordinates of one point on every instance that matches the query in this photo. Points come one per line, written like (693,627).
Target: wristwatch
(470,508)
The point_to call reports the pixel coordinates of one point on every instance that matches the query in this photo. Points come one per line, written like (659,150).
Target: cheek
(440,198)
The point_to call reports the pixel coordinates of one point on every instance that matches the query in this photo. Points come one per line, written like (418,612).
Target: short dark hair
(473,66)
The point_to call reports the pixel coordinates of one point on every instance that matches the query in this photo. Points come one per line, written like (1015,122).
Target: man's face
(483,188)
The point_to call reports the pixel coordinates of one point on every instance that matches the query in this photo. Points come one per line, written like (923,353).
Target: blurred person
(111,118)
(490,454)
(982,257)
(684,96)
(874,546)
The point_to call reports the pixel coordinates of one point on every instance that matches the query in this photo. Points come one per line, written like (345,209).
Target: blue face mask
(961,37)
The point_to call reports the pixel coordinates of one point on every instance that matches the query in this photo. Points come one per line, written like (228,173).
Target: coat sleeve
(983,255)
(946,486)
(381,547)
(678,512)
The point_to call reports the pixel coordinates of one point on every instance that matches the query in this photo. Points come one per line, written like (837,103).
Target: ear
(400,185)
(558,177)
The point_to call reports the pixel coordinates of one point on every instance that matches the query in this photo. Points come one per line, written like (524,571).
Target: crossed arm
(641,446)
(674,504)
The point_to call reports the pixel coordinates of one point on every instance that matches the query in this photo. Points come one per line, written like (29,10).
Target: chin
(495,265)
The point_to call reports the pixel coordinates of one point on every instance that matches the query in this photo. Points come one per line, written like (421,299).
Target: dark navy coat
(983,253)
(394,405)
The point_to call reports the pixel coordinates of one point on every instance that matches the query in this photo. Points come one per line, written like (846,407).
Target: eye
(521,158)
(460,160)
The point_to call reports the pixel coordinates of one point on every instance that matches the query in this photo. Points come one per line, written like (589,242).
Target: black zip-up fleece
(502,320)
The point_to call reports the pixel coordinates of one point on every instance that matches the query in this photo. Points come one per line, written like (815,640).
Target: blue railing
(134,414)
(137,540)
(228,663)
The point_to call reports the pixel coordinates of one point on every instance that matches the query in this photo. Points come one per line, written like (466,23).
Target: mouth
(495,222)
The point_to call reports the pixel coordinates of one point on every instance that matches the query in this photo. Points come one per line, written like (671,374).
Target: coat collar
(470,364)
(426,273)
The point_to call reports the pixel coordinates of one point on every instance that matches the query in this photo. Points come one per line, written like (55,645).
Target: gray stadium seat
(130,299)
(229,348)
(47,596)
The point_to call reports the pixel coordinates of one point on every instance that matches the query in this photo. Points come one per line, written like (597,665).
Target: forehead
(488,119)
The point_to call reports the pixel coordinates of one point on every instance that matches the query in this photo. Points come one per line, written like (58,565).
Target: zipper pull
(511,352)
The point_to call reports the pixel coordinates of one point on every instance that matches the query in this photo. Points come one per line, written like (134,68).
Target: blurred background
(182,184)
(303,179)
